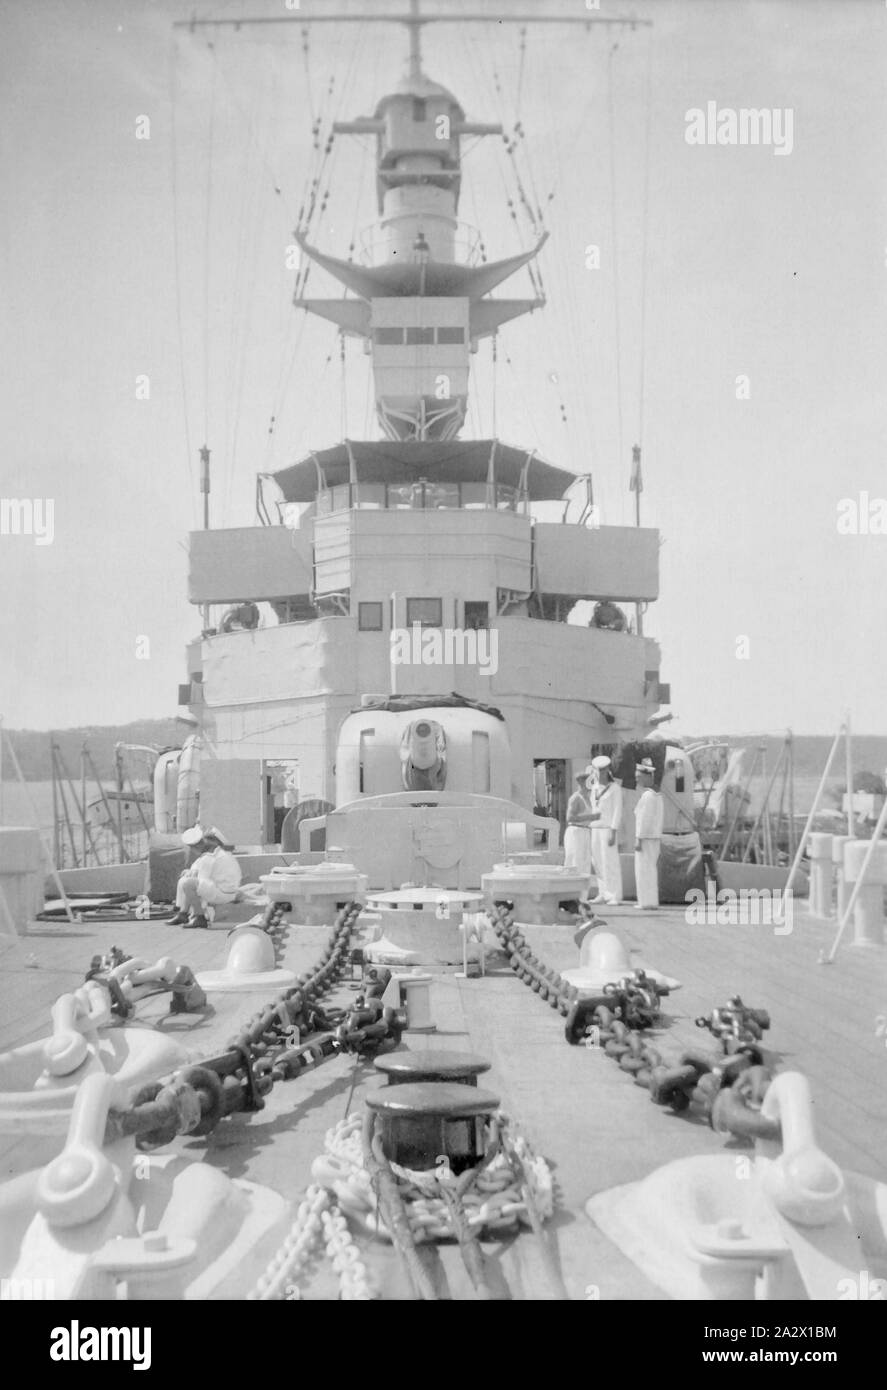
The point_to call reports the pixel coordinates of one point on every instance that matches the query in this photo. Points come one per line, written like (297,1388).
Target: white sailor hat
(216,834)
(194,835)
(601,761)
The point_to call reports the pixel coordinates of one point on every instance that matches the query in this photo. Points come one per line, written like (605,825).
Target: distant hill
(32,747)
(811,751)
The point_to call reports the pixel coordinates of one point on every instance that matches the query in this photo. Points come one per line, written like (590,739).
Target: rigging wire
(564,294)
(248,308)
(522,399)
(206,246)
(495,367)
(344,394)
(305,60)
(277,185)
(235,346)
(645,227)
(174,164)
(520,74)
(615,237)
(477,63)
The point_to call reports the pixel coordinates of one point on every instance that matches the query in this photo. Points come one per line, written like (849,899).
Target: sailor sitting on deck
(211,881)
(648,814)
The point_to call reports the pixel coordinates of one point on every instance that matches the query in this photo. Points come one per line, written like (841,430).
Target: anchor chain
(492,1199)
(272,1047)
(724,1088)
(735,1025)
(317,1218)
(548,984)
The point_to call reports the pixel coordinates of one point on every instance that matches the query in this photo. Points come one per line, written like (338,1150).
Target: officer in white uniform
(648,815)
(577,836)
(606,800)
(212,880)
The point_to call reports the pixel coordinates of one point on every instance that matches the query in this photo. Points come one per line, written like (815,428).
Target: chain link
(492,1202)
(615,1022)
(317,1218)
(270,1048)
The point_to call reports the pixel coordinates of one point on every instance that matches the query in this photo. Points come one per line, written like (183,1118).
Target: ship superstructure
(417,564)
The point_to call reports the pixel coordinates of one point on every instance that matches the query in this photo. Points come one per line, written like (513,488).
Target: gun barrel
(423,745)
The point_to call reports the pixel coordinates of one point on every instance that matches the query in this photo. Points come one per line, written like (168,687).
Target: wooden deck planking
(822,1017)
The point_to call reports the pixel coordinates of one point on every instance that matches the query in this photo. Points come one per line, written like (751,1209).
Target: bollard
(407,1068)
(843,888)
(868,911)
(423,1122)
(821,873)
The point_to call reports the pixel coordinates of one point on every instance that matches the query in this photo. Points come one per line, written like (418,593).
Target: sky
(746,289)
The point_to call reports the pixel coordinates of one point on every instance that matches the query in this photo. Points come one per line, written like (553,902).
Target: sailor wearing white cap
(577,836)
(607,819)
(212,880)
(648,815)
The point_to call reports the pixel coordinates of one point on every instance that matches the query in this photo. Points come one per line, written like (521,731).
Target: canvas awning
(410,461)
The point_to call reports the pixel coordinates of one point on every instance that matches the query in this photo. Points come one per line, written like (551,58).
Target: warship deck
(595,1127)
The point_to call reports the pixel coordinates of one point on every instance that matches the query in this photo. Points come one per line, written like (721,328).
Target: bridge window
(334,499)
(371,496)
(451,335)
(426,612)
(419,337)
(404,496)
(475,496)
(442,495)
(388,337)
(477,615)
(369,617)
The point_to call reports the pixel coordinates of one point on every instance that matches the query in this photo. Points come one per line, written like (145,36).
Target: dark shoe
(198,922)
(179,920)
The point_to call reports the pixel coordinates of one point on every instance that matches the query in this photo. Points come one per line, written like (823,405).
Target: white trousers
(577,848)
(607,867)
(646,873)
(200,895)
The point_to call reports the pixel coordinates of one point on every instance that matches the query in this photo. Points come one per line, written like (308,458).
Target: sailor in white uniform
(648,814)
(211,881)
(606,799)
(577,836)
